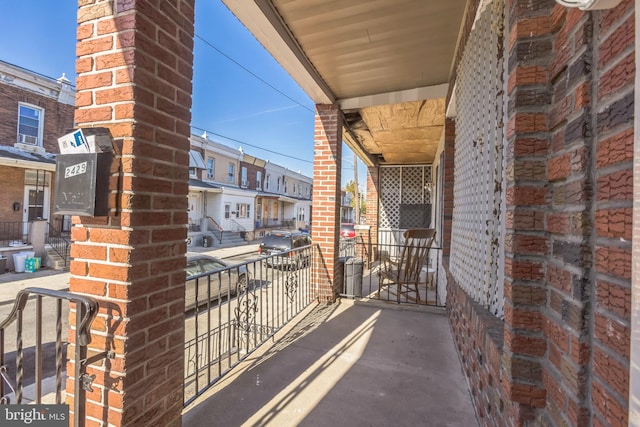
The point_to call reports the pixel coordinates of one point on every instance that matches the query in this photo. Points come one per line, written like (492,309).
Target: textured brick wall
(478,336)
(448,184)
(371,213)
(612,113)
(58,117)
(326,200)
(135,69)
(12,180)
(569,130)
(251,175)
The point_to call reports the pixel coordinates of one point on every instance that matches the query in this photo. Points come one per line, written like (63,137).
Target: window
(294,188)
(244,177)
(286,187)
(301,214)
(258,180)
(193,172)
(278,186)
(232,172)
(211,167)
(227,211)
(243,210)
(30,122)
(306,191)
(267,184)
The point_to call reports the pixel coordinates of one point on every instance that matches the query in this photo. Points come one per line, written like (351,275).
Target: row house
(35,110)
(286,200)
(232,194)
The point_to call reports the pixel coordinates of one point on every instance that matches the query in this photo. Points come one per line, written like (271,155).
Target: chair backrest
(417,242)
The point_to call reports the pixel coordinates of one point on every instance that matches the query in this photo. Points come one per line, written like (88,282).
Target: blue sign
(78,139)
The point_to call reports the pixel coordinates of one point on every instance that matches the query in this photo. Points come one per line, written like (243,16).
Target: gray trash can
(353,276)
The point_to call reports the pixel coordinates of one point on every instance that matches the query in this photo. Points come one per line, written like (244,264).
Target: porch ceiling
(385,62)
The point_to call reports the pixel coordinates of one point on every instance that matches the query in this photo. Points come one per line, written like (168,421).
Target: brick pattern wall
(58,117)
(12,180)
(371,214)
(612,158)
(326,200)
(479,337)
(135,70)
(564,359)
(568,172)
(251,175)
(448,184)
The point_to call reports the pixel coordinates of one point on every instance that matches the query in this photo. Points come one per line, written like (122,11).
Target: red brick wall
(326,201)
(565,355)
(12,180)
(58,117)
(614,54)
(135,70)
(251,175)
(448,168)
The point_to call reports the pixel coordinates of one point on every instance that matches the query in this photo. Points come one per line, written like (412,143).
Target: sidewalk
(11,283)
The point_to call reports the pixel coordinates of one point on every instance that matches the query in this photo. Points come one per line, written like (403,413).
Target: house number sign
(74,170)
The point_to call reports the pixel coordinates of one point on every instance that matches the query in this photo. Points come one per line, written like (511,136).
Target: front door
(36,204)
(226,219)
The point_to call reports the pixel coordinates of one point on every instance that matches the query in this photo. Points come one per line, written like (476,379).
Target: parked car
(347,230)
(280,244)
(221,283)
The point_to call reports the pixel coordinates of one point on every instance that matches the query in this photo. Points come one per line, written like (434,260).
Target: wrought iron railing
(15,361)
(59,242)
(274,223)
(236,227)
(13,233)
(215,228)
(362,276)
(257,299)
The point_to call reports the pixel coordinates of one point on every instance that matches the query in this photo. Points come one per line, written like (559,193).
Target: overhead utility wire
(250,145)
(252,73)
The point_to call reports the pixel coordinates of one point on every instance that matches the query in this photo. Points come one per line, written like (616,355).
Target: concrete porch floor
(347,364)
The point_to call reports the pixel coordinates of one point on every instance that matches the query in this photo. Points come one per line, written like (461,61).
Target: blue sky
(228,101)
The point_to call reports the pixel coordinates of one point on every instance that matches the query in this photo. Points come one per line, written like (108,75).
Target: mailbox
(82,184)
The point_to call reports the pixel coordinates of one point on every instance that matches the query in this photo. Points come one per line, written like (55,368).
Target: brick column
(326,199)
(527,201)
(448,183)
(134,77)
(372,214)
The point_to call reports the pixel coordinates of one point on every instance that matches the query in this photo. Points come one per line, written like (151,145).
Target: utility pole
(356,192)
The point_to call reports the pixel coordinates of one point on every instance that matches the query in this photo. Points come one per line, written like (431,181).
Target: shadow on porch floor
(346,364)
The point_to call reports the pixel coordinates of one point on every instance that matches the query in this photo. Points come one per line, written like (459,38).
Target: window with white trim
(278,186)
(294,188)
(300,214)
(243,174)
(243,210)
(30,124)
(211,167)
(286,186)
(258,180)
(232,172)
(267,182)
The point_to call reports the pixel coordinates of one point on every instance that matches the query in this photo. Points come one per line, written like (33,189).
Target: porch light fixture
(589,4)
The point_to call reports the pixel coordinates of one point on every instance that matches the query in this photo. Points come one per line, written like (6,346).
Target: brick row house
(234,196)
(35,110)
(508,127)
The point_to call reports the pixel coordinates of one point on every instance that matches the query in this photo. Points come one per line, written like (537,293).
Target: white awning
(286,199)
(196,160)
